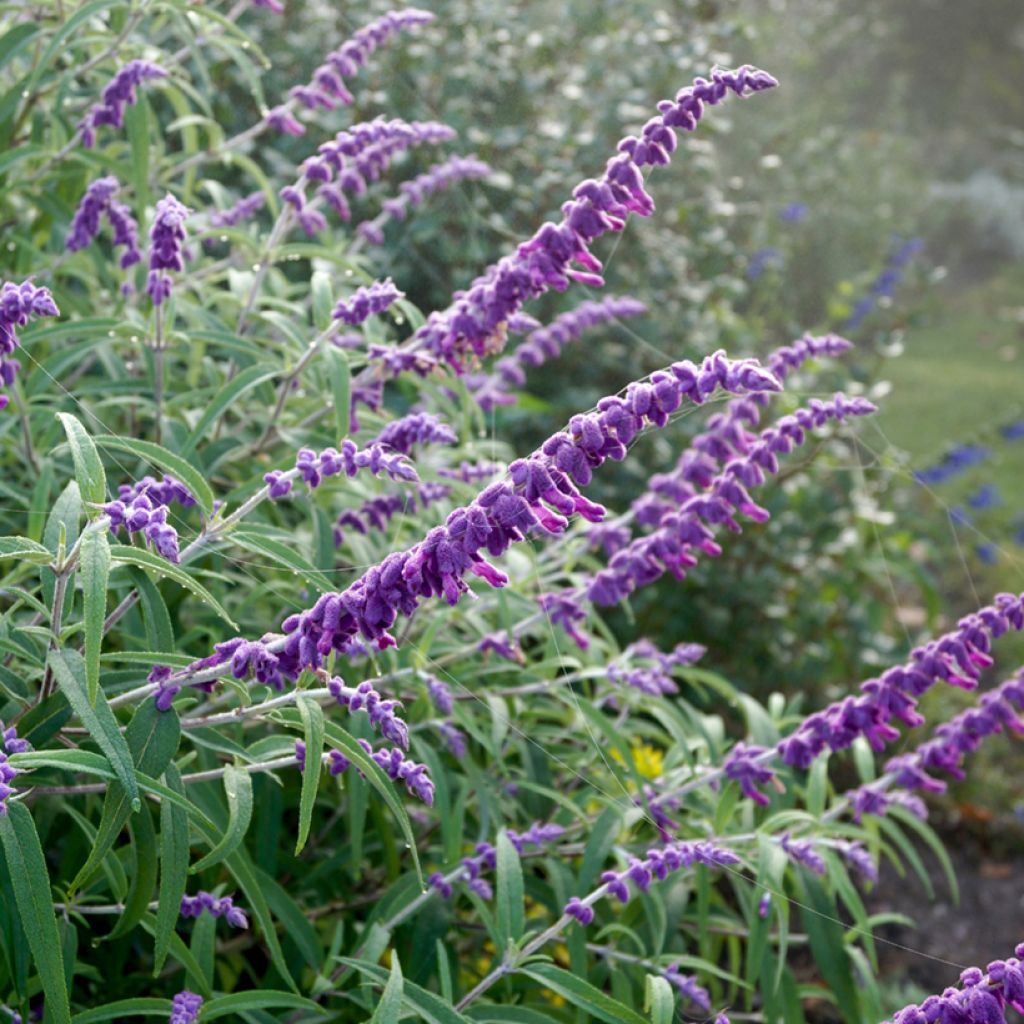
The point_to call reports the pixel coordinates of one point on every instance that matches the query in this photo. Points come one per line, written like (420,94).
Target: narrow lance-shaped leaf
(94,559)
(69,670)
(313,730)
(35,906)
(389,1009)
(92,481)
(511,920)
(341,386)
(173,867)
(238,790)
(154,563)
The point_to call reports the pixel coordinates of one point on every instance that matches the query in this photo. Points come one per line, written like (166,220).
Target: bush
(338,710)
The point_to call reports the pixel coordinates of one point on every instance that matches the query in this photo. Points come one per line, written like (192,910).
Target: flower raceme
(413,192)
(545,343)
(327,89)
(97,201)
(223,906)
(550,258)
(313,466)
(118,94)
(185,1008)
(367,301)
(392,762)
(167,237)
(18,304)
(981,998)
(957,658)
(542,491)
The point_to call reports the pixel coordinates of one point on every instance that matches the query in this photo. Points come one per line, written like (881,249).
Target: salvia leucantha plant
(308,708)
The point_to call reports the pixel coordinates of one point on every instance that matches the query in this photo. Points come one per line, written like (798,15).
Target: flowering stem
(277,233)
(26,431)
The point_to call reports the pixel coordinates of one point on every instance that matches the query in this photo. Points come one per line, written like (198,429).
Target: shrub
(318,717)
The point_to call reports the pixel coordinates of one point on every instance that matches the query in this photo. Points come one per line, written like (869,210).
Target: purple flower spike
(242,210)
(414,775)
(86,223)
(539,494)
(116,96)
(416,428)
(414,192)
(148,515)
(365,698)
(18,304)
(744,765)
(374,298)
(440,695)
(166,236)
(688,987)
(327,89)
(7,775)
(560,253)
(185,1008)
(546,343)
(577,909)
(193,906)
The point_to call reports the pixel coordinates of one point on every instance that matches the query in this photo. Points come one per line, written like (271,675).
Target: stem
(286,387)
(26,431)
(278,232)
(158,371)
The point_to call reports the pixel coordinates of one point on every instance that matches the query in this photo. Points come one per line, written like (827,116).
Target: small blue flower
(988,553)
(985,497)
(794,212)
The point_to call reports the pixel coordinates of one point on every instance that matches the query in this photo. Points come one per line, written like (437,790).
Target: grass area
(959,381)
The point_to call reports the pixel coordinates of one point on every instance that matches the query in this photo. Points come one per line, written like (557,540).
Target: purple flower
(185,1008)
(546,343)
(85,225)
(366,301)
(242,210)
(887,280)
(959,458)
(313,467)
(381,712)
(766,257)
(793,213)
(376,513)
(658,864)
(559,253)
(502,644)
(440,694)
(538,834)
(414,775)
(956,658)
(7,774)
(194,906)
(327,88)
(148,515)
(745,765)
(1013,431)
(416,428)
(166,237)
(688,987)
(282,120)
(454,738)
(116,96)
(541,491)
(18,303)
(271,5)
(413,192)
(764,904)
(802,851)
(160,492)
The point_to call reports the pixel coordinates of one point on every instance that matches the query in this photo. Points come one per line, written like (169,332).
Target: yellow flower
(647,760)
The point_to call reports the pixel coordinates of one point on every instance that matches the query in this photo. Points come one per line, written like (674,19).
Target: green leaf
(144,1006)
(323,299)
(488,1013)
(69,670)
(582,994)
(84,761)
(92,481)
(426,1004)
(144,559)
(389,1009)
(170,463)
(94,560)
(25,550)
(35,906)
(173,867)
(245,381)
(313,730)
(659,1000)
(263,999)
(281,554)
(143,875)
(511,918)
(238,789)
(15,40)
(341,386)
